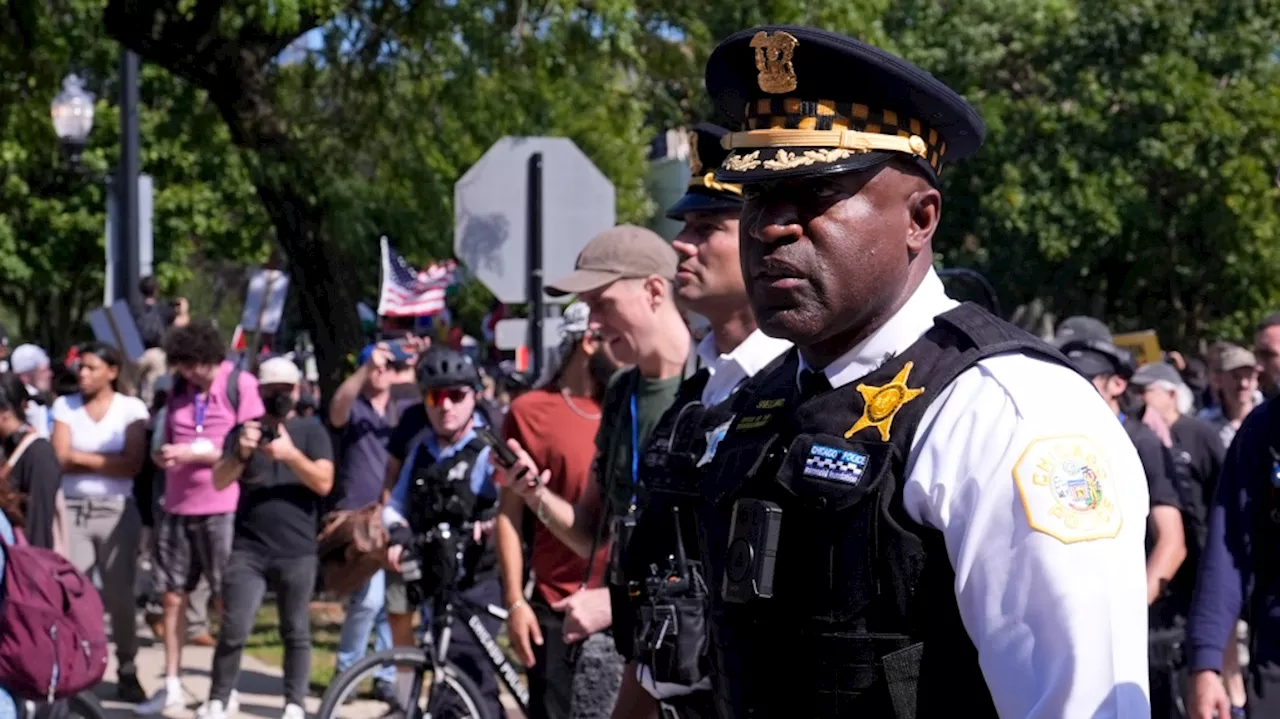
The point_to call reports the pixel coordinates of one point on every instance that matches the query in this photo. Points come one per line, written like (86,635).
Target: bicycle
(451,690)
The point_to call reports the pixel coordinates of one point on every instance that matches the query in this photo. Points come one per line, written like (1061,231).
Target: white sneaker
(170,696)
(213,709)
(293,711)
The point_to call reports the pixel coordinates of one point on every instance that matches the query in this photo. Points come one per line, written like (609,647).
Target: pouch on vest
(832,477)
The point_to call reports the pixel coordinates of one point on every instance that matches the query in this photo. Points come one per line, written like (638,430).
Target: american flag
(406,292)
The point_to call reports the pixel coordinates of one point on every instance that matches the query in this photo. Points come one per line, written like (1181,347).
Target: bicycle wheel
(456,697)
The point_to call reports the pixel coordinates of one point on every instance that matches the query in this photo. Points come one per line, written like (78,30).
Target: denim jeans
(243,586)
(366,612)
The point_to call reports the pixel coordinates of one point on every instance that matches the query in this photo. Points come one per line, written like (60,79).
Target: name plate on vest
(830,472)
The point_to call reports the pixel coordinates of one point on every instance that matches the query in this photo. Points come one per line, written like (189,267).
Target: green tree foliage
(52,217)
(1129,168)
(1127,173)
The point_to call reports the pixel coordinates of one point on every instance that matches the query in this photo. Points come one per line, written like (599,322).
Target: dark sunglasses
(436,397)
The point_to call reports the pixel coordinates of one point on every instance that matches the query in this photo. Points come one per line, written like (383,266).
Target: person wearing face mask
(283,465)
(99,434)
(445,459)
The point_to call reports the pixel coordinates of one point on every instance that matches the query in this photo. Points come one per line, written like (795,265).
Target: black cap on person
(705,193)
(811,102)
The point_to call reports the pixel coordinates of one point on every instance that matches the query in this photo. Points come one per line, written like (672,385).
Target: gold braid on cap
(708,181)
(842,128)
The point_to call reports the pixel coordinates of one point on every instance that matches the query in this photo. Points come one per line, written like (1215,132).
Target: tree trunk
(233,67)
(328,310)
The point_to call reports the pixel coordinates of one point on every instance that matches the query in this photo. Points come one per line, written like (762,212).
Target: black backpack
(151,325)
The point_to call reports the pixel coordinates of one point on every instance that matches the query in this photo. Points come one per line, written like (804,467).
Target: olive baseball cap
(618,253)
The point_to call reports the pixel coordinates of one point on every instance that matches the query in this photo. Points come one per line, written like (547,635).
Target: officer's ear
(924,207)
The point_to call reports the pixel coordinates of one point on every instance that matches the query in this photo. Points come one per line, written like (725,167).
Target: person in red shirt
(556,423)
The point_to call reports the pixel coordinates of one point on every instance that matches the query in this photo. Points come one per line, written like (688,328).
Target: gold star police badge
(883,403)
(773,61)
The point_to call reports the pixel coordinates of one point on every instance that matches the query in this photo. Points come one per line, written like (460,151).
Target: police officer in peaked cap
(924,512)
(663,568)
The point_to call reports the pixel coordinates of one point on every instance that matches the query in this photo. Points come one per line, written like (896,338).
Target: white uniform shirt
(728,371)
(1058,613)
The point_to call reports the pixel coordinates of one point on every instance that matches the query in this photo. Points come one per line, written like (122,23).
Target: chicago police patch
(839,465)
(1067,489)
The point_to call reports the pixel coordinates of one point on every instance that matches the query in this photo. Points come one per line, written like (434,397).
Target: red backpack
(52,640)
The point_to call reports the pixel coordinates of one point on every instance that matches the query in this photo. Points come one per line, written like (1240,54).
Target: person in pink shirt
(194,527)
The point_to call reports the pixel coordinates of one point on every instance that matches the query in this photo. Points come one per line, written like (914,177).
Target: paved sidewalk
(260,685)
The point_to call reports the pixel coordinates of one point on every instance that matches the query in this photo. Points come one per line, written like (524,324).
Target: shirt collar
(751,355)
(902,330)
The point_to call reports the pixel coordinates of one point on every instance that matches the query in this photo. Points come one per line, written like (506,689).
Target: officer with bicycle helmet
(446,477)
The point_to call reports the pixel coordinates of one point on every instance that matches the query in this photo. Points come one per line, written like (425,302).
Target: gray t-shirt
(363,449)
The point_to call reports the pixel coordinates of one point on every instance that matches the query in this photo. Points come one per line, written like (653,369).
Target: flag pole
(382,282)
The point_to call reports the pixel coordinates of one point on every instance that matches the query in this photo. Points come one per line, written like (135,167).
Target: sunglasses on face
(436,397)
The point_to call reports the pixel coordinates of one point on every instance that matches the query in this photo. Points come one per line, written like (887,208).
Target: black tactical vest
(441,492)
(863,620)
(664,622)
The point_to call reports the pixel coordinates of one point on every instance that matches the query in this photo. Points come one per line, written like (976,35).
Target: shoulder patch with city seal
(1067,490)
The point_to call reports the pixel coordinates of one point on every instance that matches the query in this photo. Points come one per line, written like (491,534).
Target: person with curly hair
(194,525)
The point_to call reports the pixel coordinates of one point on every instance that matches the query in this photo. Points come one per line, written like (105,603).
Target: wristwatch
(541,512)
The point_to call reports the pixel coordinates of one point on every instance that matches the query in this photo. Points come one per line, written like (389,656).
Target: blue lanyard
(635,451)
(1122,417)
(201,406)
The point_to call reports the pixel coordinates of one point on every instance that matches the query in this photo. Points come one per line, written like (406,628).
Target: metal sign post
(535,263)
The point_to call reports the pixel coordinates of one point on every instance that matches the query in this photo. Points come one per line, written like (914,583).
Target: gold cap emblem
(695,162)
(773,60)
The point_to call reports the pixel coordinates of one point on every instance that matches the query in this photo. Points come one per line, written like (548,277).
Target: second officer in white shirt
(924,512)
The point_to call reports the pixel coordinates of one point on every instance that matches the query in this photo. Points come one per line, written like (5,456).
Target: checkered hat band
(793,113)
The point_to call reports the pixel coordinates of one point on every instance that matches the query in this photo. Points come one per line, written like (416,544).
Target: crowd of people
(634,540)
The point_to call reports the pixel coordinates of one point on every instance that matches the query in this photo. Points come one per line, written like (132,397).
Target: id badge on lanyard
(201,444)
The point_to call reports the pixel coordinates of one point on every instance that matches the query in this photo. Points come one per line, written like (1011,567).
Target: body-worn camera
(753,547)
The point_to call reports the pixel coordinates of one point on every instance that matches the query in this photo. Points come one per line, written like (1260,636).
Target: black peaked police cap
(705,193)
(807,102)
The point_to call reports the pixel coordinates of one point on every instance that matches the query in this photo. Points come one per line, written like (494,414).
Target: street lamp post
(72,113)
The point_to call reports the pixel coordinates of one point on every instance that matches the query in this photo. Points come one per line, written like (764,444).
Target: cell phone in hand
(505,456)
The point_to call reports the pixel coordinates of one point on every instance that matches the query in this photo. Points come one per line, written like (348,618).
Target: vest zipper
(53,679)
